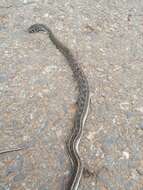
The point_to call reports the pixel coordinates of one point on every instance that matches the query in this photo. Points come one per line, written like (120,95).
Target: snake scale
(82,104)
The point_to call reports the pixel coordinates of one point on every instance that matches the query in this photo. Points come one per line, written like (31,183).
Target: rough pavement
(38,93)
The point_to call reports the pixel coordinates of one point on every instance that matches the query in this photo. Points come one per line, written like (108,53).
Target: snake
(82,104)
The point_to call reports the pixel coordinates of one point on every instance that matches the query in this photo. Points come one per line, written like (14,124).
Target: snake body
(82,104)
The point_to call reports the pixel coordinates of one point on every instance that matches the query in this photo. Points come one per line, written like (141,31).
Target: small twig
(28,144)
(12,150)
(87,173)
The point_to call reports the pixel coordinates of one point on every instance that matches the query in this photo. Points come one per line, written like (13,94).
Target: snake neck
(77,71)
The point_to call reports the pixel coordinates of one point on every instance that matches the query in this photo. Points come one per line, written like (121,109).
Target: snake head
(37,28)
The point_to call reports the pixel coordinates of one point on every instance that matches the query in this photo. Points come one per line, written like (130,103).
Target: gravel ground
(38,93)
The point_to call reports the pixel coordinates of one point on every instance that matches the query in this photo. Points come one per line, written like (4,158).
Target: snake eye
(31,30)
